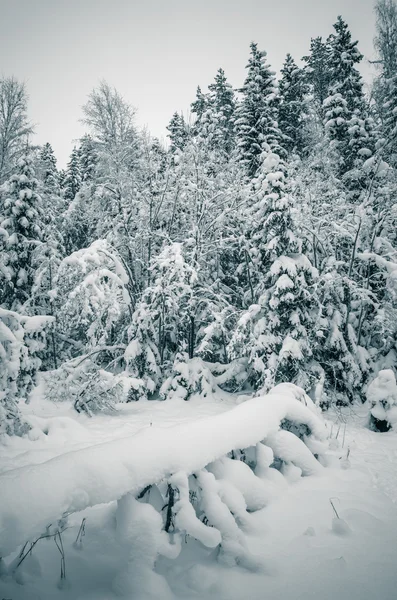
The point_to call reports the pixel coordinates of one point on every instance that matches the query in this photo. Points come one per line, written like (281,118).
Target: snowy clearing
(301,549)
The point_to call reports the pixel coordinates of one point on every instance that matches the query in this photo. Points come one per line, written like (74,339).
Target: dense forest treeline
(259,247)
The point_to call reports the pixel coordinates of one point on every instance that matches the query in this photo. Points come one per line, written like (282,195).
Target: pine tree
(72,180)
(21,220)
(292,108)
(257,114)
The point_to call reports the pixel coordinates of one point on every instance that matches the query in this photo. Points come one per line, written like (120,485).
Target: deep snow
(304,550)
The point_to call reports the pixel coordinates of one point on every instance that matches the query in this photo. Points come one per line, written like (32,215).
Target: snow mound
(382,400)
(106,472)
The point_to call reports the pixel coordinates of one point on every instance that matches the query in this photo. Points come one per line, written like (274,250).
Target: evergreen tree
(317,70)
(48,163)
(335,346)
(21,340)
(347,120)
(72,180)
(223,106)
(88,159)
(199,108)
(276,329)
(61,176)
(178,133)
(344,55)
(257,114)
(292,108)
(21,220)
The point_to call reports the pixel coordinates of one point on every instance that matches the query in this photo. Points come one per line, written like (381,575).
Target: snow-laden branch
(33,496)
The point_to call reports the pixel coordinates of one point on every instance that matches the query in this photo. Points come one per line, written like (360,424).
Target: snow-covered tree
(335,343)
(275,330)
(88,159)
(21,340)
(257,113)
(215,122)
(21,224)
(346,114)
(178,133)
(49,172)
(317,70)
(292,107)
(385,41)
(93,296)
(72,181)
(199,107)
(14,124)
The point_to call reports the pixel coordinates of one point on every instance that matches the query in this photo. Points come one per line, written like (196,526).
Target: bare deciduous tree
(109,116)
(14,124)
(386,38)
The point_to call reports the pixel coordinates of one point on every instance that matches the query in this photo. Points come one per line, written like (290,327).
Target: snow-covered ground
(304,549)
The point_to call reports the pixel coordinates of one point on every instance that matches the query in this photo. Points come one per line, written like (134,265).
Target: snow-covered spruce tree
(88,158)
(72,181)
(21,340)
(335,346)
(275,331)
(142,356)
(217,123)
(21,225)
(344,55)
(199,107)
(257,114)
(347,121)
(49,172)
(178,132)
(317,71)
(292,106)
(79,221)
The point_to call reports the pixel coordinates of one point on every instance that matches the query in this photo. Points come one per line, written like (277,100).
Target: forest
(239,280)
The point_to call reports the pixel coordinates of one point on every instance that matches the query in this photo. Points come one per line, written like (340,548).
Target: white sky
(155,52)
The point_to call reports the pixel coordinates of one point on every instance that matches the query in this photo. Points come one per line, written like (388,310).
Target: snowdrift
(35,496)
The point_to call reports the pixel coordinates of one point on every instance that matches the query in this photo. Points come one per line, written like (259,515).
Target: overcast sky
(155,52)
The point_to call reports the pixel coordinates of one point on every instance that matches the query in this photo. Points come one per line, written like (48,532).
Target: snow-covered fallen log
(34,496)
